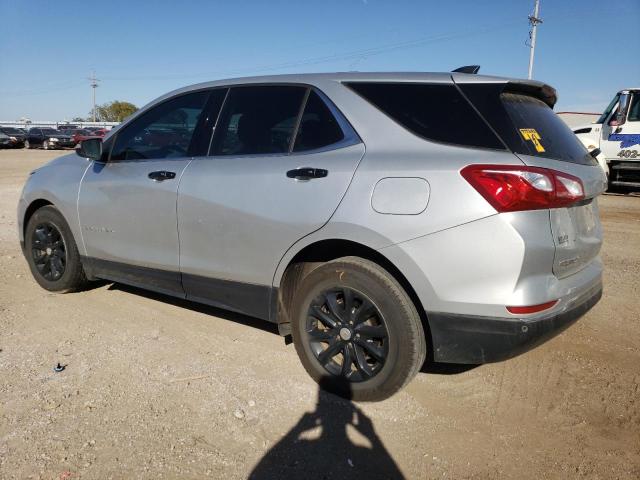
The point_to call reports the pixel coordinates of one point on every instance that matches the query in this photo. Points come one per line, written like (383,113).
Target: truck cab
(617,134)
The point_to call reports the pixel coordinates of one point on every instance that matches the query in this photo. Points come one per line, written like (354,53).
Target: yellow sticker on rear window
(533,136)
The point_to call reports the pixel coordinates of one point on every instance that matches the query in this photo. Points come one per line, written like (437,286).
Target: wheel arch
(321,251)
(34,206)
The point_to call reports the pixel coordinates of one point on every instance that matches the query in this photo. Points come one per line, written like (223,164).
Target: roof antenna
(468,69)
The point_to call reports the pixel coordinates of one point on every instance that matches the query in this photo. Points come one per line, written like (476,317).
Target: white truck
(617,135)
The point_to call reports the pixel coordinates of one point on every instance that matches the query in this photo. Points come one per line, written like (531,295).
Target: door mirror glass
(90,148)
(621,115)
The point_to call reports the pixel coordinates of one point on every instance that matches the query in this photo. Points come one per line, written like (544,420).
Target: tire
(45,145)
(56,250)
(381,361)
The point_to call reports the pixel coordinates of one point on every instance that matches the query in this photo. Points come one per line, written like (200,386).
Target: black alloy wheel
(356,331)
(49,252)
(347,334)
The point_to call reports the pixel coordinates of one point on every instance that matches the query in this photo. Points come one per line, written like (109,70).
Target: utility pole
(534,20)
(94,84)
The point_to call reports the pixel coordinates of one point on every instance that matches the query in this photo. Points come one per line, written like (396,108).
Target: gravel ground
(159,388)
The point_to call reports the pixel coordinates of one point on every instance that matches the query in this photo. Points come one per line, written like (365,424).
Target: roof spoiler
(534,88)
(473,69)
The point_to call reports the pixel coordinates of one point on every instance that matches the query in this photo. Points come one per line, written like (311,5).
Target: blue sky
(587,49)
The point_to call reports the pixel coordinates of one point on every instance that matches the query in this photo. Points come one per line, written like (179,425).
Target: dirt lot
(159,388)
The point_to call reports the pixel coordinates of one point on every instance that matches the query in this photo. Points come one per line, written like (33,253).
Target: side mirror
(90,148)
(621,115)
(595,152)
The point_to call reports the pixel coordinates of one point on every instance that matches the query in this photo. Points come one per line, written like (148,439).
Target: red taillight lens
(511,188)
(531,308)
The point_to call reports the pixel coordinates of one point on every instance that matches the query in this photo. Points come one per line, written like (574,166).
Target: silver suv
(377,218)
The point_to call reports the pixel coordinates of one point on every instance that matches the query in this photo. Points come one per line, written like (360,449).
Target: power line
(351,55)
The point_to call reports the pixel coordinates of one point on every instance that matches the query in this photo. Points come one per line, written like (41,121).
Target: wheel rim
(45,145)
(26,144)
(347,334)
(48,251)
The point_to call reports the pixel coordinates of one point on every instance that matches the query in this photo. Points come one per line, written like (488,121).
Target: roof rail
(468,69)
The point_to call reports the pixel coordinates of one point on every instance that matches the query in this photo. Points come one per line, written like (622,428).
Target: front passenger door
(127,205)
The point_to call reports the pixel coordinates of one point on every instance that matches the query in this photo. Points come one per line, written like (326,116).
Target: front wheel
(52,253)
(45,145)
(27,145)
(356,330)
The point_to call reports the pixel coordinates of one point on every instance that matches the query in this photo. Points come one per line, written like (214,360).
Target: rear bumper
(474,340)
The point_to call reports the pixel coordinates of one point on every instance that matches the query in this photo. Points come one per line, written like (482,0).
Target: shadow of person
(336,441)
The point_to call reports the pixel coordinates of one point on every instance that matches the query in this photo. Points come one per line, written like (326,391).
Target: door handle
(307,173)
(162,175)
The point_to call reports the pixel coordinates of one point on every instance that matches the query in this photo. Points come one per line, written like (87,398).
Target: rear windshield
(436,112)
(543,132)
(526,124)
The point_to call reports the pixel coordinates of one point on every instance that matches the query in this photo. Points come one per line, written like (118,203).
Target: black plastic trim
(162,281)
(246,298)
(474,340)
(241,297)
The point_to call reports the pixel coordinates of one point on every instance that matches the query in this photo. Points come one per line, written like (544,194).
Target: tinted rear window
(258,120)
(318,127)
(526,124)
(432,111)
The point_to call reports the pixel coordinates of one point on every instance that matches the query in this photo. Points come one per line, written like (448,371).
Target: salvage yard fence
(58,125)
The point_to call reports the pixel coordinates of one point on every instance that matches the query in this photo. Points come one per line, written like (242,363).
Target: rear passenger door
(281,160)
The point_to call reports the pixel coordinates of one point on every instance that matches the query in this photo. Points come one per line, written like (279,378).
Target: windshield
(608,110)
(50,131)
(11,131)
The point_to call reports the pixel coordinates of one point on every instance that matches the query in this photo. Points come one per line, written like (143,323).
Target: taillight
(531,308)
(511,188)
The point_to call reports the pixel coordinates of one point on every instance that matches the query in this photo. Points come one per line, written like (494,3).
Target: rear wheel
(356,330)
(52,253)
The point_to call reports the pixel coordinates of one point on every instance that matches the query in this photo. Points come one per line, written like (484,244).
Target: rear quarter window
(435,112)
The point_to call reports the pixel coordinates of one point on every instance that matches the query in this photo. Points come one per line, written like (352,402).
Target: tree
(115,111)
(78,119)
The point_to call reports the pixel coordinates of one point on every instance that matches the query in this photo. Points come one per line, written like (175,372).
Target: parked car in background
(16,136)
(79,134)
(374,217)
(5,141)
(101,132)
(48,139)
(66,126)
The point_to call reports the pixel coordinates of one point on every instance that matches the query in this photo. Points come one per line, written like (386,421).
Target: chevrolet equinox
(377,218)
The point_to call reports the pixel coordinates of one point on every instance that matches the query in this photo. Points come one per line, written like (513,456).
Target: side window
(318,127)
(634,110)
(258,120)
(165,131)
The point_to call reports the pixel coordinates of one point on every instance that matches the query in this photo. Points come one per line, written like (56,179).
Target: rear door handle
(162,175)
(307,173)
